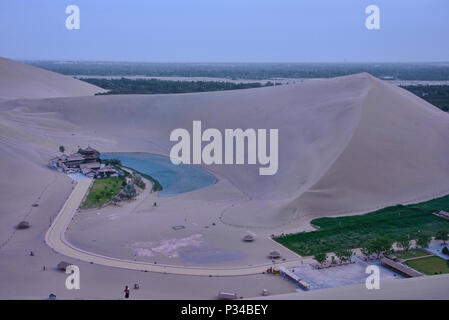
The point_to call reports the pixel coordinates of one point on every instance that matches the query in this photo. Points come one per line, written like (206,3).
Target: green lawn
(102,191)
(352,231)
(430,265)
(414,253)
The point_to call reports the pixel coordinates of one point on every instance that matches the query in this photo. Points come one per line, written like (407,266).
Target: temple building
(85,161)
(89,154)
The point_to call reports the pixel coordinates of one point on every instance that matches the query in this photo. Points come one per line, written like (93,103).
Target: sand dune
(346,145)
(18,80)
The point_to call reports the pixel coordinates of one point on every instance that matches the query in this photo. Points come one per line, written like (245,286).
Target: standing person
(126,291)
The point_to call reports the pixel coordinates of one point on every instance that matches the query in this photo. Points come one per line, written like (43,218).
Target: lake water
(175,179)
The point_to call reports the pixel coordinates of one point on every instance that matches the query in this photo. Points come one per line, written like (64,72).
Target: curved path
(55,238)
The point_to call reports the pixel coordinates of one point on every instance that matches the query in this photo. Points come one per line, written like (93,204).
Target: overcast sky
(226,30)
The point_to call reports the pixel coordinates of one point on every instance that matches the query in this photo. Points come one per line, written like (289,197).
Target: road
(55,238)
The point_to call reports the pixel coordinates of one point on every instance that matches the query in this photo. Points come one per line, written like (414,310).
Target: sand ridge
(18,80)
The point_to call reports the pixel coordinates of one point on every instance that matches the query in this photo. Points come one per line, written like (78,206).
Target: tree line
(157,86)
(384,246)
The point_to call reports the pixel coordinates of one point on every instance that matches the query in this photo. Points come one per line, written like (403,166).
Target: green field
(102,191)
(414,253)
(352,231)
(430,265)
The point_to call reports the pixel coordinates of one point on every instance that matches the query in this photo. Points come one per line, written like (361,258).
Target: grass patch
(352,231)
(414,253)
(102,191)
(430,265)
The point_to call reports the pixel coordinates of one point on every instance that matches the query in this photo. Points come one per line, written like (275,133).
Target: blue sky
(226,30)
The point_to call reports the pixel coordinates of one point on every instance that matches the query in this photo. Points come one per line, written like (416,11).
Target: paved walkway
(55,238)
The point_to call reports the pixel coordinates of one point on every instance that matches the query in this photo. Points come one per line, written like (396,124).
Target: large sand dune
(18,80)
(346,145)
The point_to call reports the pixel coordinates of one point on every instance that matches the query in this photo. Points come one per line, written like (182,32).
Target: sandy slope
(397,154)
(18,80)
(346,145)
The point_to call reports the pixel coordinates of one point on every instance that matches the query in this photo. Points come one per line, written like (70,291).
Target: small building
(400,268)
(248,238)
(74,160)
(85,161)
(293,277)
(107,171)
(23,225)
(274,255)
(89,154)
(90,165)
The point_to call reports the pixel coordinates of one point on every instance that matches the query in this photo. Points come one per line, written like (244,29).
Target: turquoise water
(175,179)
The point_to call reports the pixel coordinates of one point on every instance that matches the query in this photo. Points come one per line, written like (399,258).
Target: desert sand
(346,145)
(23,81)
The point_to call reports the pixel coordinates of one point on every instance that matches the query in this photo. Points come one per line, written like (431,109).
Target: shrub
(112,162)
(320,258)
(446,251)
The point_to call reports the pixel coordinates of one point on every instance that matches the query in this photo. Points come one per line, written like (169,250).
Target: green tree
(445,251)
(423,240)
(384,245)
(129,191)
(377,246)
(403,243)
(344,255)
(442,235)
(320,258)
(367,249)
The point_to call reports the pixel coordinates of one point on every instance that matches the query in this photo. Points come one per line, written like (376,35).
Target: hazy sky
(226,30)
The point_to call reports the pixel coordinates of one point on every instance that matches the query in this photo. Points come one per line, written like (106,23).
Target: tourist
(126,291)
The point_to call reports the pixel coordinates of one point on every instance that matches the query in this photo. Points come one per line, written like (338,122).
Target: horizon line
(234,62)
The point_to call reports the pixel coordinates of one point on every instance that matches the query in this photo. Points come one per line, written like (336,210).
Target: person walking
(126,291)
